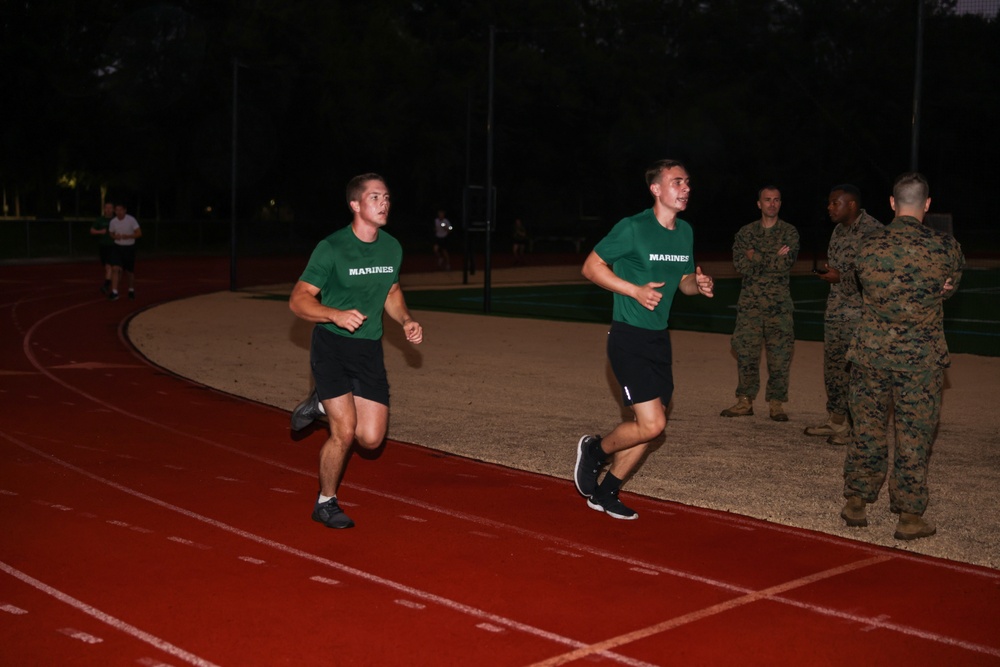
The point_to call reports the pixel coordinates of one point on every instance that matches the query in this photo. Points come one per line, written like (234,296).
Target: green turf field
(972,316)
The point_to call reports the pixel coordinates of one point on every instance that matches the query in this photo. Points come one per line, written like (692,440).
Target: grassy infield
(972,316)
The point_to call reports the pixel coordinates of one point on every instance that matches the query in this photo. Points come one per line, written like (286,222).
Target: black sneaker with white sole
(330,515)
(589,460)
(306,412)
(610,505)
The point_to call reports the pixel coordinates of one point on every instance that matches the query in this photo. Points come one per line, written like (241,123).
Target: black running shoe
(610,505)
(306,412)
(330,515)
(589,460)
(113,296)
(131,295)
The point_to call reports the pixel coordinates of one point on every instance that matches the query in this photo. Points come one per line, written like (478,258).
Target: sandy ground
(521,392)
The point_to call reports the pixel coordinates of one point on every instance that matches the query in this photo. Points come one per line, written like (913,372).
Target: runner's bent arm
(305,303)
(395,306)
(597,271)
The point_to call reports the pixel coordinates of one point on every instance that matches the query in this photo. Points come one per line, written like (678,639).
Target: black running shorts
(642,362)
(123,256)
(342,365)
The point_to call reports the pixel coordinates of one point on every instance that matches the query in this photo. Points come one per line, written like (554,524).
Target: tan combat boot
(777,411)
(834,424)
(912,527)
(855,512)
(843,438)
(743,408)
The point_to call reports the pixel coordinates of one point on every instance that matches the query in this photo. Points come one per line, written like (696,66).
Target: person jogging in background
(105,244)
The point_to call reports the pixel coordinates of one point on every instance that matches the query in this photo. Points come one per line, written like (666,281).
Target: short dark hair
(658,167)
(768,187)
(356,186)
(848,189)
(911,189)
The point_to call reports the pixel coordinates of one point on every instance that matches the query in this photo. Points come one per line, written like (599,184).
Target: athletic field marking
(700,614)
(325,580)
(11,609)
(410,604)
(107,619)
(427,596)
(80,635)
(252,560)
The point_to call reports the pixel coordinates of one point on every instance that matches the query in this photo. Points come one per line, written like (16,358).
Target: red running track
(149,520)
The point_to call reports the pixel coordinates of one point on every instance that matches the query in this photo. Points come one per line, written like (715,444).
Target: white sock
(323,499)
(321,408)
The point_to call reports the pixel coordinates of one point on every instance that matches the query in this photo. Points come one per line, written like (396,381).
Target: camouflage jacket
(765,275)
(903,268)
(844,300)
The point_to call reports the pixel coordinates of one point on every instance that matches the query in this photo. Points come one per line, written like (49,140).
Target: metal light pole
(487,267)
(918,79)
(232,192)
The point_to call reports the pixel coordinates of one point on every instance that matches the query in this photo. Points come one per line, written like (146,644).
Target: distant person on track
(350,279)
(105,244)
(764,253)
(898,357)
(843,306)
(643,260)
(520,237)
(442,229)
(124,229)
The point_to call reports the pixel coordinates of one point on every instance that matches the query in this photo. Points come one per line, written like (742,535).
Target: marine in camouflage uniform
(898,357)
(843,306)
(764,252)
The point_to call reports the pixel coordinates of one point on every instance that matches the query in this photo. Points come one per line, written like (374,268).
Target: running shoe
(610,505)
(306,412)
(589,459)
(330,515)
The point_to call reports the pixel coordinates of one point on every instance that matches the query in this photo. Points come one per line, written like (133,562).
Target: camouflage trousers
(774,329)
(914,398)
(837,336)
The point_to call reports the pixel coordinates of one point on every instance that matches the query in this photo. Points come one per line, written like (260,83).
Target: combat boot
(777,411)
(743,408)
(843,438)
(912,527)
(834,424)
(855,512)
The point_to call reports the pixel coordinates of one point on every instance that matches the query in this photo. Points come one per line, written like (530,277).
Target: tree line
(134,100)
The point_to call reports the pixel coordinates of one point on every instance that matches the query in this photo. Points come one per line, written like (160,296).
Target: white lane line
(11,609)
(107,619)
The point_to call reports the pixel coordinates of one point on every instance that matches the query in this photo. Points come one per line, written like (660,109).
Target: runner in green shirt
(351,278)
(644,260)
(105,244)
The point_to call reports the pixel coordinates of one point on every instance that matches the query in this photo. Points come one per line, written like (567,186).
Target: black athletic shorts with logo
(642,361)
(342,365)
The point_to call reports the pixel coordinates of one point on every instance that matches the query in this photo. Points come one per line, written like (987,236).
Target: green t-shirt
(105,238)
(641,250)
(353,274)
